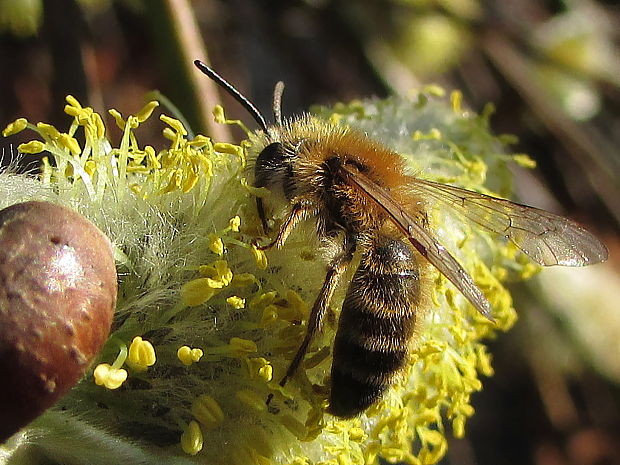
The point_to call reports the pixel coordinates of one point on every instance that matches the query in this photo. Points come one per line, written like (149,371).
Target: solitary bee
(357,193)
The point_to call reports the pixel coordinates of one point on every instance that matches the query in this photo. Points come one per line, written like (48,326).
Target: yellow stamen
(109,377)
(236,302)
(188,355)
(141,354)
(207,411)
(16,126)
(192,439)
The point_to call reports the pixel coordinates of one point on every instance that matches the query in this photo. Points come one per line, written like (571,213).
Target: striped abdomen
(376,326)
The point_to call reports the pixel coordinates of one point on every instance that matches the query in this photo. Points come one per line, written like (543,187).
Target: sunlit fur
(379,319)
(388,292)
(310,142)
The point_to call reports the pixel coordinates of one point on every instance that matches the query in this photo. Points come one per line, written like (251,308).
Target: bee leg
(298,212)
(336,268)
(261,214)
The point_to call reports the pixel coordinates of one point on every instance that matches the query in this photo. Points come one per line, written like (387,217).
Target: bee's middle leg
(336,269)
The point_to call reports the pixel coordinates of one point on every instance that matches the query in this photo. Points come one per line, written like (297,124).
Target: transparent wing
(546,238)
(422,240)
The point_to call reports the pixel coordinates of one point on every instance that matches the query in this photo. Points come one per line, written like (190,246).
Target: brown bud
(57,298)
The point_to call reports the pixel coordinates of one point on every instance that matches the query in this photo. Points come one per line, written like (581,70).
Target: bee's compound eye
(274,168)
(270,157)
(269,162)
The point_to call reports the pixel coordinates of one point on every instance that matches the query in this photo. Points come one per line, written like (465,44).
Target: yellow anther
(190,181)
(524,160)
(215,244)
(71,100)
(456,99)
(48,130)
(252,399)
(392,454)
(434,133)
(241,347)
(234,223)
(141,354)
(215,283)
(187,355)
(99,126)
(225,147)
(90,167)
(467,410)
(484,361)
(192,439)
(458,426)
(294,299)
(207,411)
(224,273)
(292,309)
(69,142)
(236,302)
(430,436)
(151,158)
(218,114)
(170,134)
(200,141)
(219,274)
(357,434)
(263,300)
(432,347)
(34,146)
(16,126)
(260,367)
(260,257)
(197,292)
(266,373)
(428,416)
(146,111)
(118,118)
(434,90)
(174,124)
(270,315)
(109,377)
(243,279)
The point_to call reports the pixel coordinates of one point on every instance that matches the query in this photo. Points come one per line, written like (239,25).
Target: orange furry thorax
(315,142)
(324,140)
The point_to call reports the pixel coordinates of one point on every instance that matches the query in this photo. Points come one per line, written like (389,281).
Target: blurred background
(551,69)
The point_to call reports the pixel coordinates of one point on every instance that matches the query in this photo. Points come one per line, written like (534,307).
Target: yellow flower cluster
(224,321)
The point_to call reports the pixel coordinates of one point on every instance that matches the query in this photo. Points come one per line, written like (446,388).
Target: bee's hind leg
(336,269)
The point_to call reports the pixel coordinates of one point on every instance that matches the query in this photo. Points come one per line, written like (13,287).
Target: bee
(356,192)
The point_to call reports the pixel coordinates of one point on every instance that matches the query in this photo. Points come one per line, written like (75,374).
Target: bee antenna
(277,102)
(238,96)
